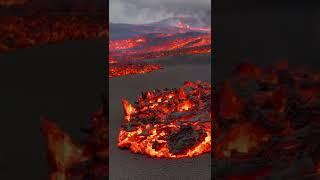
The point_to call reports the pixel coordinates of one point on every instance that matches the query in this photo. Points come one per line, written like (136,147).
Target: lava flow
(125,43)
(70,160)
(170,37)
(160,45)
(186,27)
(152,46)
(266,118)
(41,29)
(128,69)
(172,123)
(112,61)
(63,152)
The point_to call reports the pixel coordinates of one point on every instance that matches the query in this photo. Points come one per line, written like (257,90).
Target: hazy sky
(145,11)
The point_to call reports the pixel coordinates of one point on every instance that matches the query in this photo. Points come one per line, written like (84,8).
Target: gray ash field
(127,165)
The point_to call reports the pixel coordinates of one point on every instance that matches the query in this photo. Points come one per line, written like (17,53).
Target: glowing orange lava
(169,123)
(186,27)
(243,138)
(125,44)
(266,116)
(112,61)
(128,69)
(160,45)
(154,45)
(35,30)
(63,152)
(70,160)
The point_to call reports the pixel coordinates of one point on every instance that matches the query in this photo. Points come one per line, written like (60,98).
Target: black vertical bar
(106,99)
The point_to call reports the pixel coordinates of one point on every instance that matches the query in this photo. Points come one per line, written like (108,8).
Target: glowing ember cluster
(71,160)
(129,69)
(266,118)
(170,123)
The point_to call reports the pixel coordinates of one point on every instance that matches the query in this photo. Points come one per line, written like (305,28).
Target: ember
(267,122)
(128,69)
(172,123)
(70,160)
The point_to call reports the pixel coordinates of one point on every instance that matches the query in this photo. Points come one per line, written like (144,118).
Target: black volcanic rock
(184,139)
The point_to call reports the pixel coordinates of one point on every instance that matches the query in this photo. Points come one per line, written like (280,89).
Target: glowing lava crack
(170,123)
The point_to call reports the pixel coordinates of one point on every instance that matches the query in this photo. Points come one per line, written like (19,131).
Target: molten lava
(125,43)
(63,152)
(177,40)
(182,25)
(112,61)
(169,123)
(128,69)
(185,27)
(160,45)
(69,160)
(266,118)
(243,138)
(35,30)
